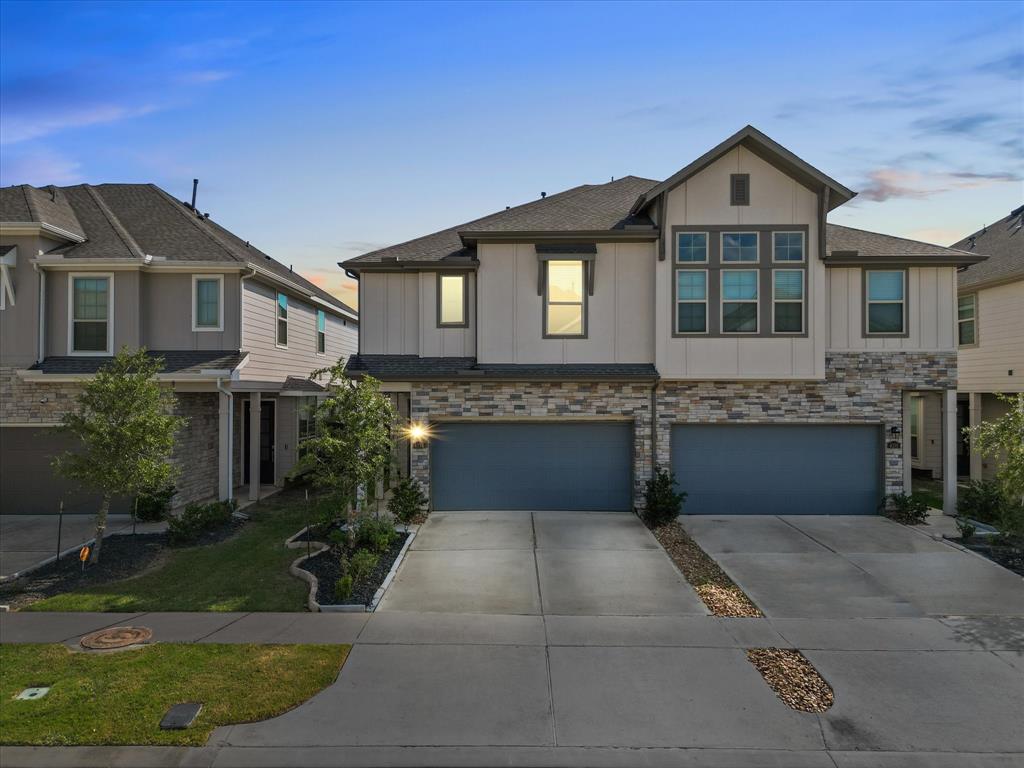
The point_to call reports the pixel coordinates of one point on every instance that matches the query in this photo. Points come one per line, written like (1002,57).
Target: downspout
(231,435)
(41,324)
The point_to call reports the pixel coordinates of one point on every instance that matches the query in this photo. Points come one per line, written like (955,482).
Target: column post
(974,419)
(254,446)
(225,446)
(949,451)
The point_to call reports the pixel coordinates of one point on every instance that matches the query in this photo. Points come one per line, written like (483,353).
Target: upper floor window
(788,246)
(886,302)
(282,320)
(692,247)
(91,314)
(451,301)
(739,247)
(564,299)
(321,332)
(691,301)
(788,301)
(967,320)
(739,300)
(208,303)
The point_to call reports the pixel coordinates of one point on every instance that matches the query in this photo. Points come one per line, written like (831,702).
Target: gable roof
(135,221)
(1003,243)
(765,148)
(846,244)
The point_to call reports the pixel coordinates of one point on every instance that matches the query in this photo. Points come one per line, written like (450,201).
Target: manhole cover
(116,637)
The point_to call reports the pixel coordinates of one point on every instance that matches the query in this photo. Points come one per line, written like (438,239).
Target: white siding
(984,368)
(444,342)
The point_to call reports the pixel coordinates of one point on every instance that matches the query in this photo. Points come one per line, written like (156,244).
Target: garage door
(552,466)
(785,469)
(28,484)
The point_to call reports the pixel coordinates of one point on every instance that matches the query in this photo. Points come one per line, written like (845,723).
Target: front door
(267,430)
(963,440)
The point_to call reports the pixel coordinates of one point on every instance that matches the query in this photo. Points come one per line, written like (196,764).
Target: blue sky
(322,130)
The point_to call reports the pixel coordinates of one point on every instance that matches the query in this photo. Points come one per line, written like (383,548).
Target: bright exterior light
(417,432)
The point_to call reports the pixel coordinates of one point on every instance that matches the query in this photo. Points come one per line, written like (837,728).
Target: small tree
(125,424)
(663,502)
(1003,440)
(352,444)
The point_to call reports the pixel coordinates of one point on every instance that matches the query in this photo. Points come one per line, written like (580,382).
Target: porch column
(949,451)
(254,446)
(974,419)
(225,448)
(905,434)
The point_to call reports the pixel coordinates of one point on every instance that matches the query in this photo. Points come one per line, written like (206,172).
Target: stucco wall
(167,308)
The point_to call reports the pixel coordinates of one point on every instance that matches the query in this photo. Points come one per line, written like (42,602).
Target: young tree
(125,424)
(1003,440)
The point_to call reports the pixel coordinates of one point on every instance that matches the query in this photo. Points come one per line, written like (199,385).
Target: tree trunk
(101,528)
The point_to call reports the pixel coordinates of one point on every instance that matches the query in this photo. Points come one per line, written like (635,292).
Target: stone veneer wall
(195,452)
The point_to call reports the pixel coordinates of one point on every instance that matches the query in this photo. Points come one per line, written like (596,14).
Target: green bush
(981,500)
(909,510)
(407,500)
(337,538)
(664,503)
(1011,520)
(375,534)
(343,588)
(361,566)
(197,519)
(152,505)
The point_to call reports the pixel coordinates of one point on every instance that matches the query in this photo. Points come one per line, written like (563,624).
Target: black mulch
(327,568)
(1010,555)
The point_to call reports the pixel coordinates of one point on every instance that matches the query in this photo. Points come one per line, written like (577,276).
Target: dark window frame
(585,266)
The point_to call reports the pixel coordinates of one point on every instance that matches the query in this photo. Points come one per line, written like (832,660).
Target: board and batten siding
(620,328)
(985,367)
(267,361)
(931,313)
(776,200)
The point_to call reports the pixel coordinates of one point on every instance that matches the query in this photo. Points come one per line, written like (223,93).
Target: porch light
(417,432)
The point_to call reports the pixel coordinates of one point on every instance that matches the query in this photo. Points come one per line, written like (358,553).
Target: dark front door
(963,441)
(266,442)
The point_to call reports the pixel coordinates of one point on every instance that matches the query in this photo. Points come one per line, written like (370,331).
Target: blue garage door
(551,466)
(784,469)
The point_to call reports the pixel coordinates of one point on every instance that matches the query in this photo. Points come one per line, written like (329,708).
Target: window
(739,246)
(307,417)
(91,314)
(321,332)
(967,319)
(739,301)
(788,246)
(282,320)
(692,247)
(788,300)
(691,301)
(885,302)
(564,297)
(207,303)
(739,189)
(451,303)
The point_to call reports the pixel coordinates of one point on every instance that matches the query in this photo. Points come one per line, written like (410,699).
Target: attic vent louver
(739,189)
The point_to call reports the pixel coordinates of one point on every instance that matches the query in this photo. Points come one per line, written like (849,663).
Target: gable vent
(739,189)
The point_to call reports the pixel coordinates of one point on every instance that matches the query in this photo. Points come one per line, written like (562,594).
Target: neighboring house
(712,323)
(86,270)
(990,330)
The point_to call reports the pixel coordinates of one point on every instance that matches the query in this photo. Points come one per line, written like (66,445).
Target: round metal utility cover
(116,637)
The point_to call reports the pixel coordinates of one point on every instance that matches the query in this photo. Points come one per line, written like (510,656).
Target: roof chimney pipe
(195,186)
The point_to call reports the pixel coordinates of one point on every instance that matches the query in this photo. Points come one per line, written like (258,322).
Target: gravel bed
(793,678)
(327,568)
(719,593)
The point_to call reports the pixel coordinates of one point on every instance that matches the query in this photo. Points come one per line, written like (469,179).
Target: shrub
(152,505)
(361,566)
(337,539)
(407,500)
(343,588)
(1011,520)
(374,534)
(197,519)
(966,528)
(664,503)
(909,510)
(981,500)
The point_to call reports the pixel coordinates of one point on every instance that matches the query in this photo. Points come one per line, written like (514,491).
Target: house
(86,270)
(712,323)
(990,313)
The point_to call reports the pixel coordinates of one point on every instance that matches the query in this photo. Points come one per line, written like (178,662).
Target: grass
(928,489)
(120,698)
(248,572)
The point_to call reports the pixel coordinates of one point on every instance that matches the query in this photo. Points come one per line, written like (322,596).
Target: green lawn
(248,572)
(928,489)
(120,698)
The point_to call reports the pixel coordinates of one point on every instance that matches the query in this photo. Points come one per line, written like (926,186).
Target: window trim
(464,276)
(196,328)
(803,246)
(974,317)
(278,319)
(71,314)
(585,302)
(321,313)
(676,301)
(722,302)
(865,304)
(721,247)
(707,248)
(802,301)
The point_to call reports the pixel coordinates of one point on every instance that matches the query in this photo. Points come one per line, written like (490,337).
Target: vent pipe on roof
(195,186)
(543,195)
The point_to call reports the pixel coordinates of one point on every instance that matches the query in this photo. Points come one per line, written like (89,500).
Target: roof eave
(36,228)
(855,259)
(471,237)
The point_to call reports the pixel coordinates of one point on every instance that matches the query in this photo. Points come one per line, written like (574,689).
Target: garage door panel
(778,469)
(556,466)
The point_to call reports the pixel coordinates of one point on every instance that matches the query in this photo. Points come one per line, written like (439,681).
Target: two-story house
(87,270)
(990,315)
(714,323)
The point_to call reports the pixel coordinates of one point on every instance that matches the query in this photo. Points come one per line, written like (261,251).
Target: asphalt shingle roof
(401,367)
(875,244)
(175,361)
(299,384)
(47,205)
(1003,243)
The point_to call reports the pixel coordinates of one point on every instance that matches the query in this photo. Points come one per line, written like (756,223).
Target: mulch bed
(1009,554)
(327,568)
(122,556)
(793,678)
(719,593)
